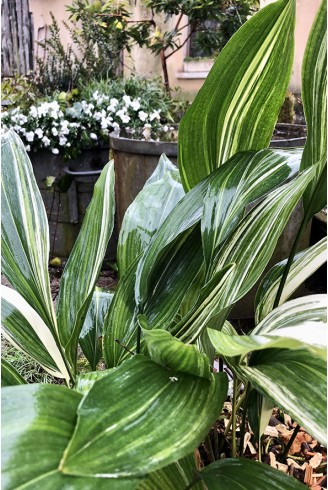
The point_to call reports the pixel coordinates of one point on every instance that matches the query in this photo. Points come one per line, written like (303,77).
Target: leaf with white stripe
(25,329)
(146,429)
(246,474)
(9,375)
(91,333)
(251,245)
(24,230)
(237,107)
(314,97)
(35,433)
(247,176)
(84,264)
(170,352)
(296,380)
(145,215)
(304,265)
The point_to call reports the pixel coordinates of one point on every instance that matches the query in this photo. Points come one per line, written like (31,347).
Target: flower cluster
(84,124)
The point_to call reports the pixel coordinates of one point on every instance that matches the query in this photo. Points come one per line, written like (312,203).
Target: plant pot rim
(130,145)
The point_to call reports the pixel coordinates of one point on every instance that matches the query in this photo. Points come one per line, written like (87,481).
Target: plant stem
(290,442)
(138,339)
(241,399)
(289,262)
(233,419)
(243,422)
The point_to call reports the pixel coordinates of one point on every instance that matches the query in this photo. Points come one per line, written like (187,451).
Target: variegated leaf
(238,105)
(9,375)
(91,333)
(314,97)
(24,231)
(117,413)
(35,432)
(246,474)
(84,264)
(170,352)
(145,215)
(304,265)
(25,329)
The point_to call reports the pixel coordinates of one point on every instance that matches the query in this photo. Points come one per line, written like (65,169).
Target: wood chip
(247,438)
(273,460)
(287,420)
(271,431)
(316,460)
(308,475)
(282,467)
(291,462)
(251,448)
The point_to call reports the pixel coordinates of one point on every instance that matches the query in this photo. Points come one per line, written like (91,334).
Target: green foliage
(18,91)
(183,263)
(287,112)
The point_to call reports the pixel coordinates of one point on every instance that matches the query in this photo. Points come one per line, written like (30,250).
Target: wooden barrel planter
(67,199)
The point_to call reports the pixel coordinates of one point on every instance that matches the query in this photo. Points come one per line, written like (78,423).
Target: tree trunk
(165,73)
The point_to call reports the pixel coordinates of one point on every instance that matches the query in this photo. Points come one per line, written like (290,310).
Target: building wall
(145,63)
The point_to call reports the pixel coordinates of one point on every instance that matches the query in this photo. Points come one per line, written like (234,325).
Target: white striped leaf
(238,105)
(249,176)
(170,352)
(35,433)
(24,231)
(85,381)
(149,416)
(9,375)
(304,265)
(251,245)
(298,324)
(172,477)
(246,474)
(84,264)
(25,329)
(296,380)
(314,97)
(234,185)
(91,333)
(145,215)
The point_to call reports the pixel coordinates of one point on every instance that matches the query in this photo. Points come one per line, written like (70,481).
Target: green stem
(234,419)
(138,340)
(241,399)
(289,262)
(290,442)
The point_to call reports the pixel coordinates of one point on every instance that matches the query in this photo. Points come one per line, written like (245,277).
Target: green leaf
(247,176)
(92,329)
(314,97)
(173,477)
(145,215)
(25,329)
(304,265)
(122,411)
(296,380)
(24,231)
(259,410)
(35,433)
(170,352)
(297,324)
(237,107)
(252,243)
(246,474)
(83,267)
(85,381)
(9,375)
(250,175)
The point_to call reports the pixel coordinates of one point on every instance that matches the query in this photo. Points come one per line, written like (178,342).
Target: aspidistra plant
(188,250)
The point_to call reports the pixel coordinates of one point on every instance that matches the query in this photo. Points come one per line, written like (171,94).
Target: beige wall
(305,14)
(145,63)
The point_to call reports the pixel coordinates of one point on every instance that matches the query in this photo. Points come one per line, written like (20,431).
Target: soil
(282,134)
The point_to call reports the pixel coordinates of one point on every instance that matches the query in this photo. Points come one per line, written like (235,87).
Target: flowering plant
(54,126)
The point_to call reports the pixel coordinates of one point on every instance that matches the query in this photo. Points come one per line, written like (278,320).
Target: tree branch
(181,46)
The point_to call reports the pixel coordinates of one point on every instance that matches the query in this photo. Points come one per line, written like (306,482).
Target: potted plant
(186,253)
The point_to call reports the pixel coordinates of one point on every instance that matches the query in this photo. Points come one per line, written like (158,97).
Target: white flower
(154,115)
(45,141)
(142,115)
(93,136)
(116,125)
(135,104)
(22,119)
(147,126)
(39,132)
(147,133)
(127,100)
(30,136)
(55,151)
(27,148)
(54,131)
(165,128)
(124,117)
(62,141)
(113,102)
